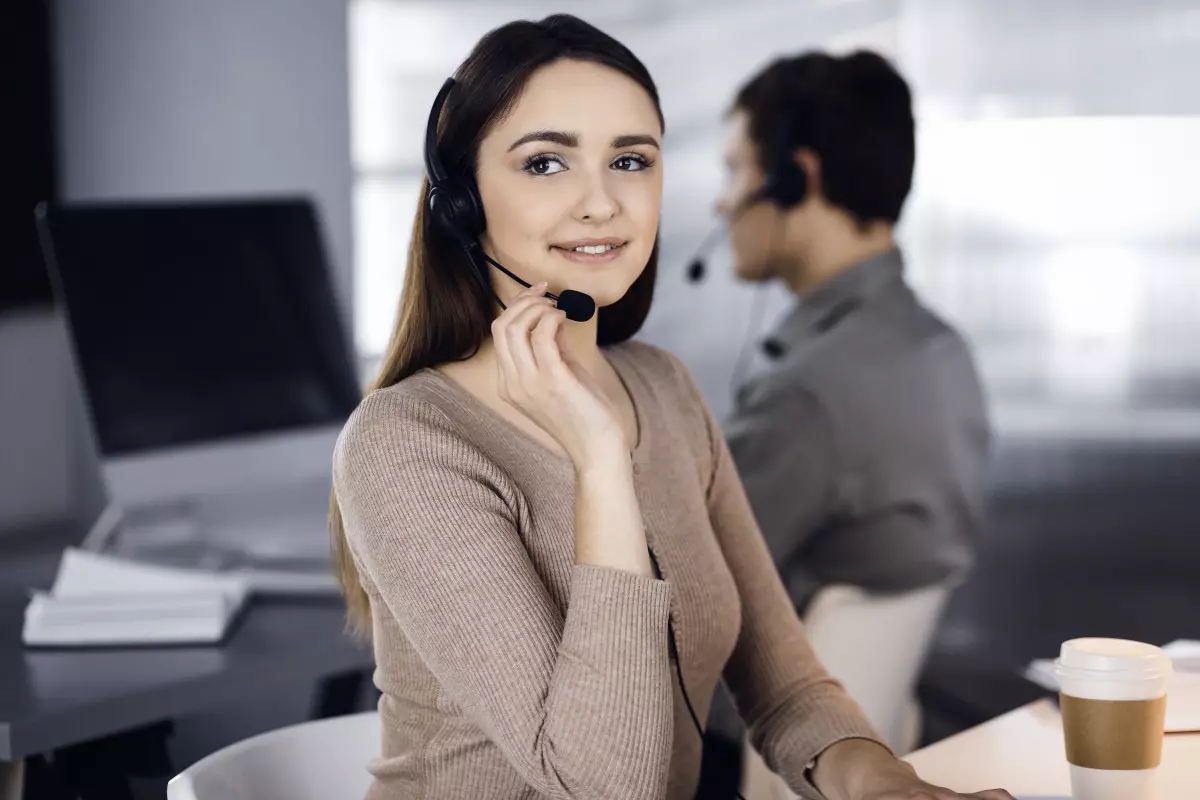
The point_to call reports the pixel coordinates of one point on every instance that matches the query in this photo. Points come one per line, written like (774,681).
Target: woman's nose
(597,202)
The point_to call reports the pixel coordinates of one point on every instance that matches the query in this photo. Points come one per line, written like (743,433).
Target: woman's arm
(608,522)
(579,703)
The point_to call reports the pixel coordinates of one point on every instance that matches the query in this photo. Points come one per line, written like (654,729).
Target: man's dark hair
(853,111)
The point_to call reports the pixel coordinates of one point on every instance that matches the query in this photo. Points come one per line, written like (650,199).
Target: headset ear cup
(792,184)
(470,210)
(456,211)
(787,182)
(786,186)
(441,208)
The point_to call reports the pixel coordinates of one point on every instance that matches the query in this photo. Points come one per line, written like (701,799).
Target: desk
(1023,752)
(51,699)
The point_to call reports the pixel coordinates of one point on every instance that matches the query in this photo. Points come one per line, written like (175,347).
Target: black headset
(453,202)
(457,209)
(785,185)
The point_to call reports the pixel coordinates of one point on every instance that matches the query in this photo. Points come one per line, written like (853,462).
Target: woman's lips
(580,257)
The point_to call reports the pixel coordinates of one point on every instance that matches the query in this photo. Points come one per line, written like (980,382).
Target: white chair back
(875,645)
(312,761)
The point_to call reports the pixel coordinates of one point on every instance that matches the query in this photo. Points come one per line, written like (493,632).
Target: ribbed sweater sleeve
(579,702)
(792,707)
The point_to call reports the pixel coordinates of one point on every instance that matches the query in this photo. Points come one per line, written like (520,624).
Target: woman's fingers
(501,323)
(512,333)
(517,334)
(544,340)
(535,293)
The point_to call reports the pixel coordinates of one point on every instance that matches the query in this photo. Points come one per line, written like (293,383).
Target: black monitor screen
(199,322)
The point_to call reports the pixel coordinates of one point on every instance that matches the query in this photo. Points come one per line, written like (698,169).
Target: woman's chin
(604,292)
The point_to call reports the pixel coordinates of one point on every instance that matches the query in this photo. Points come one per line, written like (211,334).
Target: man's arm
(782,443)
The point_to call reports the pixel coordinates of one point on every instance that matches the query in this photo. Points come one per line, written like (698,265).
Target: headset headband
(433,160)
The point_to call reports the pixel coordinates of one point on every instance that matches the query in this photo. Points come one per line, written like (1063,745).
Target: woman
(537,519)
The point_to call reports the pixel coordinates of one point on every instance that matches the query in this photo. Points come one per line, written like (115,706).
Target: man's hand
(858,769)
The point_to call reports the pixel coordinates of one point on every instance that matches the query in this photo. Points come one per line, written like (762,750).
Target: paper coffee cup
(1114,703)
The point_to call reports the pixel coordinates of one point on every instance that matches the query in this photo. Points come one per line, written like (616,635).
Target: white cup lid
(1114,656)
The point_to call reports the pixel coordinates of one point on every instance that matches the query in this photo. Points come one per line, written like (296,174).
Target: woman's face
(571,182)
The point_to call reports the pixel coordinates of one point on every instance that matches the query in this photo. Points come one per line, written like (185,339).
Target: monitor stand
(257,506)
(279,543)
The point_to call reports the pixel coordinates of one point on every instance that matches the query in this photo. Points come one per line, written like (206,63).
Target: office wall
(185,98)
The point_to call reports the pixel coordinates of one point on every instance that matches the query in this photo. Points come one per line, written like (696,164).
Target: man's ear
(808,160)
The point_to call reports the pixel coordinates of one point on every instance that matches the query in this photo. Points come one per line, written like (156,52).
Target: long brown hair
(445,314)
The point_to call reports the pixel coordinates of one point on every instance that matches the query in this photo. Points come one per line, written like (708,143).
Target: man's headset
(456,208)
(785,185)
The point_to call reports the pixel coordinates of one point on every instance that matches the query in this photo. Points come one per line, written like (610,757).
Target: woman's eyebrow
(631,139)
(566,139)
(557,137)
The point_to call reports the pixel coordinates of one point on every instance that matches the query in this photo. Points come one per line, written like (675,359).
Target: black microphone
(578,307)
(697,267)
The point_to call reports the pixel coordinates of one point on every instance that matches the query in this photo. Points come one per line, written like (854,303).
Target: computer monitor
(209,340)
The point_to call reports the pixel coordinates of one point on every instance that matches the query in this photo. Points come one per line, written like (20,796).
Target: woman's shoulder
(406,402)
(413,418)
(405,452)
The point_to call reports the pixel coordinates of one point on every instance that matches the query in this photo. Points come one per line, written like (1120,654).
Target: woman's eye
(631,163)
(543,165)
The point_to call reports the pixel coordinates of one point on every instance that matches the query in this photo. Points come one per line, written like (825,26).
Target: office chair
(312,761)
(876,646)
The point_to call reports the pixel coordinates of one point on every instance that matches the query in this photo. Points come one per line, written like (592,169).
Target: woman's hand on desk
(858,769)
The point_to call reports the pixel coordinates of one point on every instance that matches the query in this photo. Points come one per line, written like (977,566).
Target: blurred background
(1055,220)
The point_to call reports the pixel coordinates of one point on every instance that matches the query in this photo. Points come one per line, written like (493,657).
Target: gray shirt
(863,441)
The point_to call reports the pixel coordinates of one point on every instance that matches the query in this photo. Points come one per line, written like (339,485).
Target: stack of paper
(105,600)
(1183,691)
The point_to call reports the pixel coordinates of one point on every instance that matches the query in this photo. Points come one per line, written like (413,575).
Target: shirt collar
(834,298)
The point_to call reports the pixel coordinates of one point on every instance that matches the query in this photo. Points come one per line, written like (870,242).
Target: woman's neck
(579,338)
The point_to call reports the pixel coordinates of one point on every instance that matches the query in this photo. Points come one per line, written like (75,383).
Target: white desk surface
(1023,752)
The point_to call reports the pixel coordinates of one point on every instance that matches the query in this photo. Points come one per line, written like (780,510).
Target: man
(862,437)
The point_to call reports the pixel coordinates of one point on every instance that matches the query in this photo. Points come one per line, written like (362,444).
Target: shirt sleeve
(579,703)
(792,707)
(782,444)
